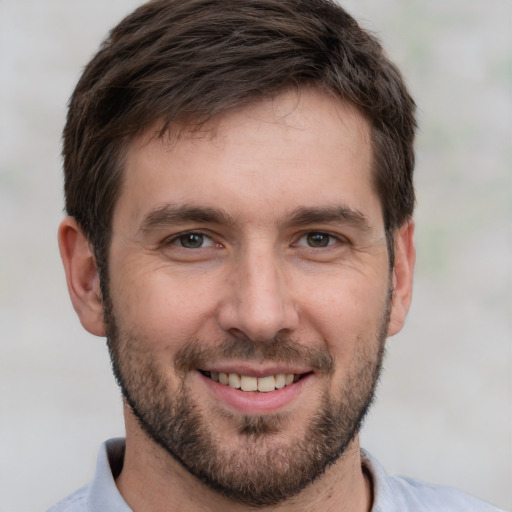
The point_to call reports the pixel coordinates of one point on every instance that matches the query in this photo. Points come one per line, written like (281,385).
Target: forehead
(299,149)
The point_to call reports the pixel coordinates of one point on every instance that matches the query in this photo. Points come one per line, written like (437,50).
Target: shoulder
(400,494)
(424,497)
(76,502)
(101,494)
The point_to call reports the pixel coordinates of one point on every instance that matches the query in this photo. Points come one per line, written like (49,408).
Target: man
(238,179)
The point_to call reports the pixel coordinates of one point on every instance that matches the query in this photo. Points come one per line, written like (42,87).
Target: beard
(266,467)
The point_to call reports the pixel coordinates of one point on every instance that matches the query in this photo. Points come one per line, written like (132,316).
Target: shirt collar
(104,494)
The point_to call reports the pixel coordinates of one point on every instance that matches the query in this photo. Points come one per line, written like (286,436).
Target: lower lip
(251,402)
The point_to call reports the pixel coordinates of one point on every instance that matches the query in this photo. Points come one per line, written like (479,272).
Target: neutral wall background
(444,409)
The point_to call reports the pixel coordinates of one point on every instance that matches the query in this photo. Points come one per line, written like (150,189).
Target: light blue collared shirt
(391,493)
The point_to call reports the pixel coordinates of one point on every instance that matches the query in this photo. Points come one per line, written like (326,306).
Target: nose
(258,302)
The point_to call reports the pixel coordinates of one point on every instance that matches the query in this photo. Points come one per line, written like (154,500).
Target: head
(241,173)
(180,63)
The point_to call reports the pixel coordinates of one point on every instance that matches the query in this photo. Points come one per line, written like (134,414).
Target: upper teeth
(248,383)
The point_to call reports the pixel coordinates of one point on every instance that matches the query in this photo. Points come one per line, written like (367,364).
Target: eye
(317,239)
(193,240)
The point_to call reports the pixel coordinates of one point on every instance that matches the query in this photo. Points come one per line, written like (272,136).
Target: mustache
(280,349)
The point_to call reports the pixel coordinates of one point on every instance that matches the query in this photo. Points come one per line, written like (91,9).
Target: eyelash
(181,238)
(331,239)
(175,240)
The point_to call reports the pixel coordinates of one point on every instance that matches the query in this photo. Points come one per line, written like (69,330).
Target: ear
(81,276)
(402,276)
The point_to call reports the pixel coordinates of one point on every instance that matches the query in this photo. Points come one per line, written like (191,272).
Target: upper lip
(252,370)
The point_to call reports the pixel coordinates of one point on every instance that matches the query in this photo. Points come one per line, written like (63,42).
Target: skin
(256,275)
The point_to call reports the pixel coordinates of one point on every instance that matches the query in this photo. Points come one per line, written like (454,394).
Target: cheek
(167,308)
(347,312)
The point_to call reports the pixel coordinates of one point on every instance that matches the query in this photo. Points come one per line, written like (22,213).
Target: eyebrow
(170,214)
(179,214)
(329,214)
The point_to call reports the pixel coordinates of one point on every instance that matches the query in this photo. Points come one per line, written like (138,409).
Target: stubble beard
(264,469)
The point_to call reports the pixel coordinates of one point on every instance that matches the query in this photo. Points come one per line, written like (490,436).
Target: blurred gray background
(444,408)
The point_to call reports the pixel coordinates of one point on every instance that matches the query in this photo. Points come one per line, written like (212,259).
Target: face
(249,292)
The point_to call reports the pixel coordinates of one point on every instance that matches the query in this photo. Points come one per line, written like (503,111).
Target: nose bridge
(260,305)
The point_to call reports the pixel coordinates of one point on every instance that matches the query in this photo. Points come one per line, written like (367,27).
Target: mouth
(249,383)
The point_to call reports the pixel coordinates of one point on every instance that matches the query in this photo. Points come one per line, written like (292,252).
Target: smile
(249,383)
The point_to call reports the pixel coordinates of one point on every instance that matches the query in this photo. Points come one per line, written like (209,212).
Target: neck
(152,481)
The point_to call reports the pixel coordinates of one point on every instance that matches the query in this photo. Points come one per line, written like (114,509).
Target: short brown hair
(188,60)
